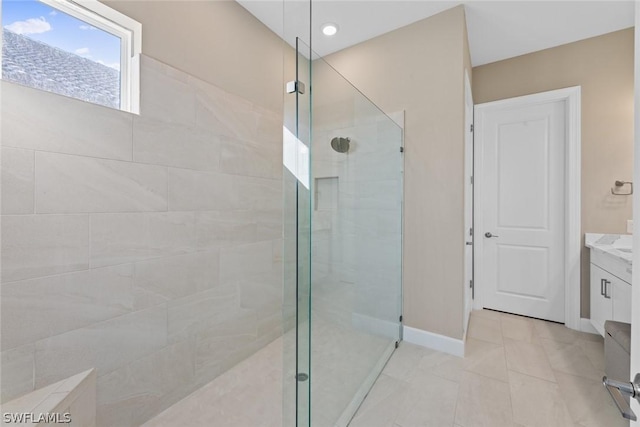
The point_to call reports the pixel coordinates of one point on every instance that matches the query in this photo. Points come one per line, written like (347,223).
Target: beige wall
(603,67)
(419,69)
(225,45)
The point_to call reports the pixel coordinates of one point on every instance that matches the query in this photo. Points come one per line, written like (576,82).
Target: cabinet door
(621,298)
(601,307)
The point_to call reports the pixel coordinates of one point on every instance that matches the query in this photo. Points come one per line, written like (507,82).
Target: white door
(468,200)
(522,230)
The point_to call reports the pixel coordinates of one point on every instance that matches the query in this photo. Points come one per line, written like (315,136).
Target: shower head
(339,144)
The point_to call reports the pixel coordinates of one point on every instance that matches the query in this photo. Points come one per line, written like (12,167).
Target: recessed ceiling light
(329,29)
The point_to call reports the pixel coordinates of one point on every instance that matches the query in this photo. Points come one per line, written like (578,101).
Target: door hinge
(397,343)
(402,149)
(401,318)
(295,86)
(471,231)
(472,180)
(471,127)
(471,284)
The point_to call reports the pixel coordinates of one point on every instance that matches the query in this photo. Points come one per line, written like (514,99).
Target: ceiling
(497,29)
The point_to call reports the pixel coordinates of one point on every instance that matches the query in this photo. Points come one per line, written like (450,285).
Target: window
(82,49)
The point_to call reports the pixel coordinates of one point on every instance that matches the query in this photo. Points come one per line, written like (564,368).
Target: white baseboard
(586,326)
(433,341)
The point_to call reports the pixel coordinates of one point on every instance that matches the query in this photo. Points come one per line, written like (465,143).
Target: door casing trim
(573,236)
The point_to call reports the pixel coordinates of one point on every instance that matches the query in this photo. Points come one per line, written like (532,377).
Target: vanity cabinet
(610,295)
(610,285)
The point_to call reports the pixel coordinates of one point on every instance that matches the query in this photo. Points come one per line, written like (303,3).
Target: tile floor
(518,372)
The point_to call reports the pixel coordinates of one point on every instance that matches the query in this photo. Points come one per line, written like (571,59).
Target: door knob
(488,235)
(618,390)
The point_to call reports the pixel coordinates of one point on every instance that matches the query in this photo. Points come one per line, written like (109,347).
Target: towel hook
(618,185)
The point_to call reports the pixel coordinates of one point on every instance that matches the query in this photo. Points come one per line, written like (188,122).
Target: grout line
(90,245)
(34,182)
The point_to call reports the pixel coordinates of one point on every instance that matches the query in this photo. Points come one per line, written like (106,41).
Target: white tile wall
(129,237)
(127,397)
(241,158)
(179,276)
(165,93)
(42,245)
(67,184)
(160,143)
(39,120)
(17,181)
(187,315)
(17,371)
(104,346)
(147,247)
(39,308)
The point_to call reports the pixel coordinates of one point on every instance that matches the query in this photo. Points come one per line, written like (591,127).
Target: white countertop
(616,245)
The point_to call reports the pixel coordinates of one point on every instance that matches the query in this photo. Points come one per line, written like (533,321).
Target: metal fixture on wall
(339,144)
(618,185)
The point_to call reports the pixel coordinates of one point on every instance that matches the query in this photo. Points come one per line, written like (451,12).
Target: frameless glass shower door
(356,244)
(343,243)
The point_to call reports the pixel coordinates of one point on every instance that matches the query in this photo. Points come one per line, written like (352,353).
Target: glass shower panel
(343,184)
(297,241)
(356,237)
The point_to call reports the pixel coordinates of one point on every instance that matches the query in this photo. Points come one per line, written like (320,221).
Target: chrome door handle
(488,235)
(602,287)
(618,390)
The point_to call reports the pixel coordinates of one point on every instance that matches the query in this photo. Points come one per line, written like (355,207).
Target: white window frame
(128,30)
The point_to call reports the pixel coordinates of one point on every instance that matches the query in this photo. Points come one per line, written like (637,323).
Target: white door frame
(468,206)
(635,289)
(573,238)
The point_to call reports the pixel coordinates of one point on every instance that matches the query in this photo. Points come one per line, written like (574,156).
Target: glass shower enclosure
(343,186)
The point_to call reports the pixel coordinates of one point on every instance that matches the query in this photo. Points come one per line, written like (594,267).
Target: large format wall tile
(41,245)
(81,184)
(161,143)
(179,276)
(262,292)
(207,191)
(259,194)
(216,229)
(244,261)
(40,308)
(123,238)
(258,160)
(191,314)
(221,344)
(45,121)
(134,393)
(165,93)
(224,113)
(17,372)
(105,346)
(17,181)
(198,191)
